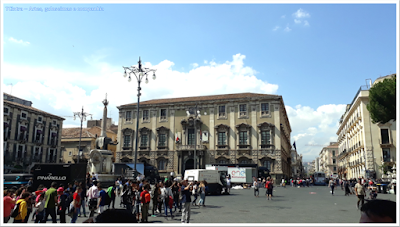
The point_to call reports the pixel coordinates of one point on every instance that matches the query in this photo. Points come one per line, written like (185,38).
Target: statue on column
(100,157)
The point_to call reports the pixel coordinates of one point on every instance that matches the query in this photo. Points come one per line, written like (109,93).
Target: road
(289,205)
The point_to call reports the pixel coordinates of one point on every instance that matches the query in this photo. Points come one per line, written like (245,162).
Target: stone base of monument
(107,179)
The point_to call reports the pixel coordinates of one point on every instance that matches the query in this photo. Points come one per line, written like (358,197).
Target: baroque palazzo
(230,128)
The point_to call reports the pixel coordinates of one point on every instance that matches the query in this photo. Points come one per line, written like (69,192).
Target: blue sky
(315,55)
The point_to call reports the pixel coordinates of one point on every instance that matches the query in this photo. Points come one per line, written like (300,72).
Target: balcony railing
(189,147)
(243,146)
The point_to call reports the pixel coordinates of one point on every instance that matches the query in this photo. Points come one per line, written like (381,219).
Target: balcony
(126,148)
(162,147)
(144,148)
(267,146)
(243,146)
(145,152)
(385,143)
(222,147)
(190,147)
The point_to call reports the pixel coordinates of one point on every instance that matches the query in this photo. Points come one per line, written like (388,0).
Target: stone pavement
(289,205)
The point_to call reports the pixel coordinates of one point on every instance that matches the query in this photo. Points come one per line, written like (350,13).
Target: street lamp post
(139,73)
(82,115)
(196,111)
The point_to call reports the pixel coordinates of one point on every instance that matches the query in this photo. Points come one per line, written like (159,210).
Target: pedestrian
(39,205)
(127,198)
(23,209)
(269,186)
(186,201)
(255,185)
(30,202)
(51,202)
(92,196)
(228,184)
(83,200)
(88,180)
(166,193)
(62,203)
(145,200)
(346,188)
(76,204)
(102,199)
(175,195)
(136,199)
(360,193)
(9,203)
(118,187)
(378,211)
(111,193)
(202,192)
(332,185)
(156,198)
(195,192)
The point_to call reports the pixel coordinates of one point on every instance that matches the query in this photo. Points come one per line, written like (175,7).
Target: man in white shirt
(93,195)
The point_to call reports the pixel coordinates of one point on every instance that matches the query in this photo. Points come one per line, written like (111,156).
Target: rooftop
(70,133)
(203,98)
(32,109)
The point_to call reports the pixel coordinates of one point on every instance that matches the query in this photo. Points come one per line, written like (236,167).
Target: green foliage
(382,101)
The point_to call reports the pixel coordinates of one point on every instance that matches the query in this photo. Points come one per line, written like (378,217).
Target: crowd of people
(137,196)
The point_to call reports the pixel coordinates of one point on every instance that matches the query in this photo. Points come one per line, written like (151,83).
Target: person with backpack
(145,200)
(92,195)
(51,202)
(167,196)
(136,199)
(40,208)
(9,203)
(21,210)
(127,200)
(269,186)
(62,203)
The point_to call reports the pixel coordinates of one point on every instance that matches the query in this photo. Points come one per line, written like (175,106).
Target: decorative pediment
(222,128)
(265,126)
(144,130)
(243,126)
(127,131)
(162,129)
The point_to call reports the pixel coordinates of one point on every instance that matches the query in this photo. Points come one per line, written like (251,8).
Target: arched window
(162,164)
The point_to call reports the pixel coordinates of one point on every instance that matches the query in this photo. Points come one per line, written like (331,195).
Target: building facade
(297,165)
(233,128)
(70,143)
(30,135)
(328,160)
(364,146)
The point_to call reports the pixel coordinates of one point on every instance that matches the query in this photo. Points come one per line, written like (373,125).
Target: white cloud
(297,21)
(283,16)
(314,127)
(306,23)
(25,43)
(276,28)
(62,92)
(195,65)
(287,29)
(300,13)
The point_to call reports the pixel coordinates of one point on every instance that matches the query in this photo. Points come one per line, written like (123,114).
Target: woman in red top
(76,203)
(9,203)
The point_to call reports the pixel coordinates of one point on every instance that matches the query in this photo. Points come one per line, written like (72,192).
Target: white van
(212,177)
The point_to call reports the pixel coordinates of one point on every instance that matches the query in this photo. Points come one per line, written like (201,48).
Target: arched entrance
(189,164)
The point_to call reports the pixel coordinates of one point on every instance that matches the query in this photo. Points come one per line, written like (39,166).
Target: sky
(316,56)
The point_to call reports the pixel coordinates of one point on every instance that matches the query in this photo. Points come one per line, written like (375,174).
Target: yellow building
(363,145)
(70,143)
(231,128)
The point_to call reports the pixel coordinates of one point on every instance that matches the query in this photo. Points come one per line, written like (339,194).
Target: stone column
(254,134)
(119,138)
(153,146)
(30,135)
(171,142)
(231,133)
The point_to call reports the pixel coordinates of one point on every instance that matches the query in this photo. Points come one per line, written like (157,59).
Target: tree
(382,101)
